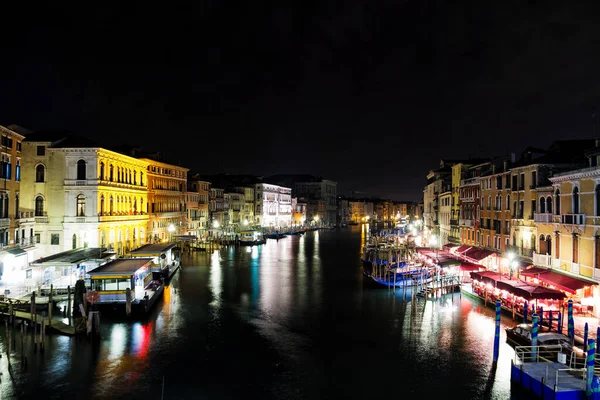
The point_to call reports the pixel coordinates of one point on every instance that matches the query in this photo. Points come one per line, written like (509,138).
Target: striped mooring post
(585,337)
(534,337)
(497,332)
(570,321)
(559,322)
(589,376)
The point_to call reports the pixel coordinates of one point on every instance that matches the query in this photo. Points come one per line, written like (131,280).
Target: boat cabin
(161,254)
(112,279)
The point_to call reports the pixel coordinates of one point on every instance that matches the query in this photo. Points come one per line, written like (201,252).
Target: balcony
(465,222)
(572,219)
(4,223)
(41,219)
(453,222)
(520,251)
(543,217)
(543,260)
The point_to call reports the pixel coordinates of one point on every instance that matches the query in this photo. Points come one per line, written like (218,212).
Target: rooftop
(125,266)
(153,248)
(75,256)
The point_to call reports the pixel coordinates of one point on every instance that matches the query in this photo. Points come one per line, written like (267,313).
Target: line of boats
(256,237)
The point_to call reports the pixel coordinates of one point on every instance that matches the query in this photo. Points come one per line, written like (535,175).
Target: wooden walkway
(57,326)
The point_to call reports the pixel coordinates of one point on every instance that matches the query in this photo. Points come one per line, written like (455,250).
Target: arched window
(557,201)
(81,205)
(40,173)
(111,205)
(542,246)
(557,245)
(101,171)
(533,243)
(17,207)
(508,202)
(542,206)
(74,241)
(81,170)
(549,205)
(102,205)
(549,245)
(575,200)
(39,206)
(111,173)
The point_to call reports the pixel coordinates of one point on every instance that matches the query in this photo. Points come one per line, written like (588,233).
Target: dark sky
(367,93)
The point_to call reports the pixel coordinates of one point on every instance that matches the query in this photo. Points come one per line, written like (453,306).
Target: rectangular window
(41,151)
(28,274)
(37,238)
(55,238)
(19,144)
(575,248)
(597,252)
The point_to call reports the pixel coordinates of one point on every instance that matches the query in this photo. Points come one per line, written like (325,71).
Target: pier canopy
(564,282)
(517,287)
(161,253)
(112,279)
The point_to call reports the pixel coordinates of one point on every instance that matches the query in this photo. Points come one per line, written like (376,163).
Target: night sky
(367,93)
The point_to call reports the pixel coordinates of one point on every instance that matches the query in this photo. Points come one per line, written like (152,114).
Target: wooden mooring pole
(69,304)
(50,305)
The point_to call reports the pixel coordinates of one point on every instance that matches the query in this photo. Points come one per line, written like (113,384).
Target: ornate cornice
(593,172)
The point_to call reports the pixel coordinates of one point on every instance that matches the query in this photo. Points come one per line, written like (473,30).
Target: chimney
(505,165)
(493,169)
(513,158)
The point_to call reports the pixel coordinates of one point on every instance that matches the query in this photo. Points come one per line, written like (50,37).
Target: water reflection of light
(141,339)
(249,249)
(216,280)
(254,252)
(118,337)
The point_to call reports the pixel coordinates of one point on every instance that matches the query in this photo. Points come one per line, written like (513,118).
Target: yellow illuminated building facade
(83,195)
(167,187)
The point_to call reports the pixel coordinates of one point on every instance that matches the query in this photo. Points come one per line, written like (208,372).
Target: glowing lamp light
(215,224)
(245,222)
(171,228)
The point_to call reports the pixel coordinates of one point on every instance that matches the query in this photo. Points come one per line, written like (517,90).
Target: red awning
(467,266)
(463,248)
(567,283)
(478,254)
(534,271)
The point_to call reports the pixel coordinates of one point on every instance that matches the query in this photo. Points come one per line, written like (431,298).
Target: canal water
(291,319)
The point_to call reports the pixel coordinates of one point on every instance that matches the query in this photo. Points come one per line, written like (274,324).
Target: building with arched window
(83,195)
(167,202)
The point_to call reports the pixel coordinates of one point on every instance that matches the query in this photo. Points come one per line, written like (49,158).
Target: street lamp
(171,229)
(512,264)
(316,220)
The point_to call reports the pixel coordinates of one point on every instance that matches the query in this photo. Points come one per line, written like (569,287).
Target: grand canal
(291,319)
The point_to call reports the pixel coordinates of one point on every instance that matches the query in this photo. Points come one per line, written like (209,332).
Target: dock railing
(574,365)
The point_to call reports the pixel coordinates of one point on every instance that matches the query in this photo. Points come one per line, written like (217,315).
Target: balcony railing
(465,222)
(572,219)
(544,260)
(520,251)
(542,217)
(4,222)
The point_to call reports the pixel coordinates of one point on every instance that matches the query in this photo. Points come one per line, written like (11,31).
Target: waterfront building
(247,210)
(219,215)
(202,187)
(469,199)
(438,181)
(17,238)
(193,213)
(320,195)
(445,212)
(82,195)
(344,211)
(166,207)
(494,227)
(298,212)
(273,206)
(236,202)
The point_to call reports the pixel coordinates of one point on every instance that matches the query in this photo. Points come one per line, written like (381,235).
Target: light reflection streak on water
(216,281)
(118,337)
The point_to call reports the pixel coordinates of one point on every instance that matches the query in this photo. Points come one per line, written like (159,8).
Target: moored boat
(251,238)
(550,343)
